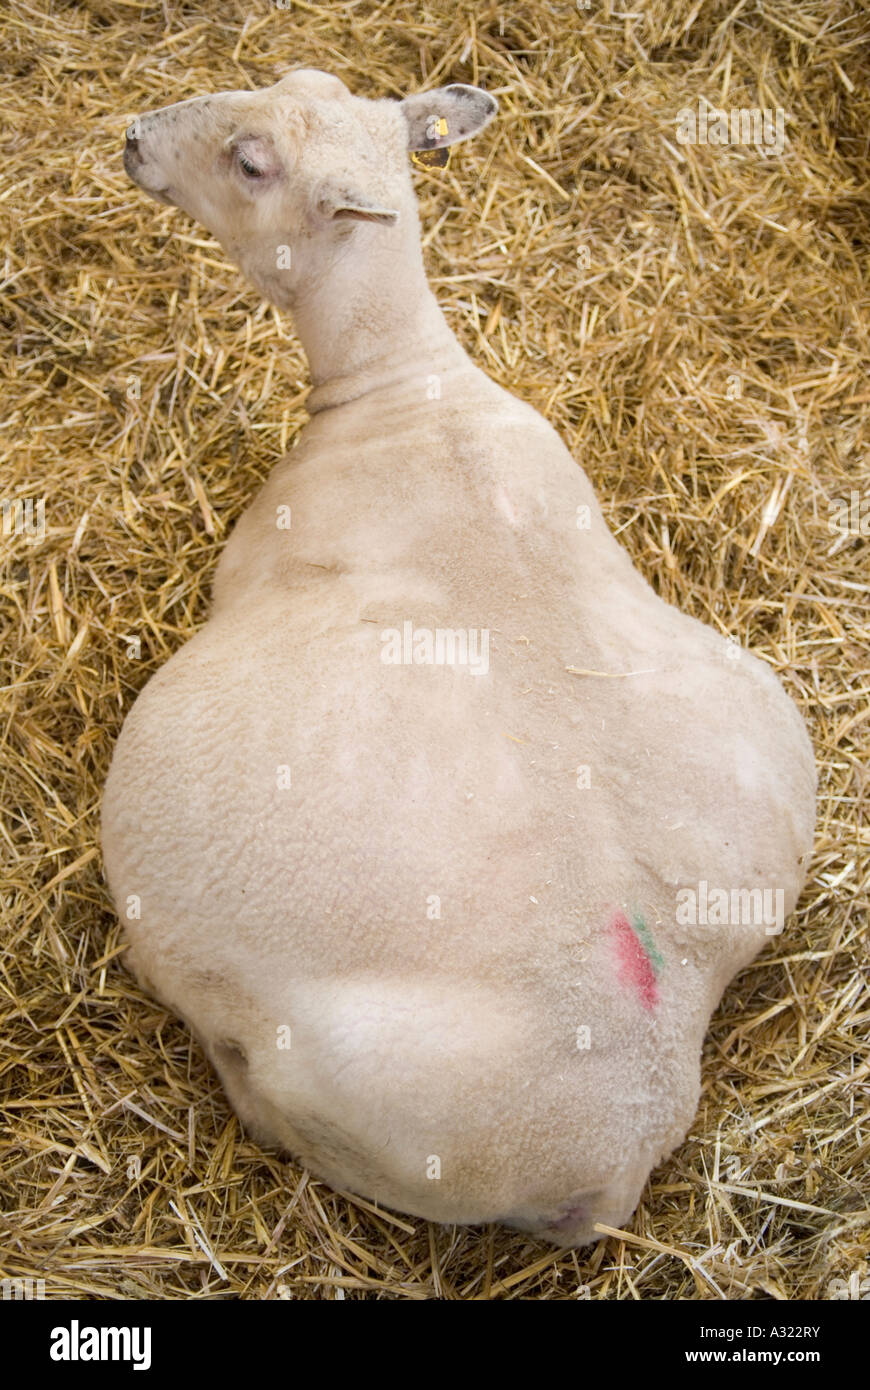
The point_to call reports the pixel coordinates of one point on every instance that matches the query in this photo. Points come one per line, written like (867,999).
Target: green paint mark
(645,937)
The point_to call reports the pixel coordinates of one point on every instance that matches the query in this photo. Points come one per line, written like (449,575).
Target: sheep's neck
(367,327)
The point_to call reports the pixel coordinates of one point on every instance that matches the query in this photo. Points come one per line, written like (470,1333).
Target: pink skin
(572,1218)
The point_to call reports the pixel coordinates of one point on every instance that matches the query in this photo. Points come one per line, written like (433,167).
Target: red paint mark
(635,967)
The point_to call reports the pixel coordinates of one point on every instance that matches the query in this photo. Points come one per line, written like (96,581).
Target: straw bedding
(693,320)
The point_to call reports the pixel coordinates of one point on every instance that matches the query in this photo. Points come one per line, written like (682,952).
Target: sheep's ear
(338,201)
(446,115)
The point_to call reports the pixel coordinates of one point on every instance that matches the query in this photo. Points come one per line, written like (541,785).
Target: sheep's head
(283,177)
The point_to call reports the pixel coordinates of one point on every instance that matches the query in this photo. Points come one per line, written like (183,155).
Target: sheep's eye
(248,168)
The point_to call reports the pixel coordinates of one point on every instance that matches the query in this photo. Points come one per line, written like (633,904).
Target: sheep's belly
(470,946)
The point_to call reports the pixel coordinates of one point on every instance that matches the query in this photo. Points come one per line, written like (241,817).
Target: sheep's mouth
(160,195)
(133,162)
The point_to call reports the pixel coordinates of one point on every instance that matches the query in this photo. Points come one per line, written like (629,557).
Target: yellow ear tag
(433,159)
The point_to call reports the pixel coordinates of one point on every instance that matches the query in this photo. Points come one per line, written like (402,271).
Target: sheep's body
(493,1011)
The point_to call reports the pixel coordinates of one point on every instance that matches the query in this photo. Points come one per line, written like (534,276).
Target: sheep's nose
(132,154)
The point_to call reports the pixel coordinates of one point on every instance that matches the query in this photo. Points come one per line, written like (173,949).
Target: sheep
(444,834)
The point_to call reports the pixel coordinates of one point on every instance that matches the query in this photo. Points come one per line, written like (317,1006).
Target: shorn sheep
(445,833)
